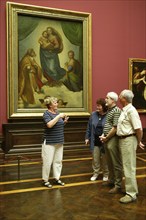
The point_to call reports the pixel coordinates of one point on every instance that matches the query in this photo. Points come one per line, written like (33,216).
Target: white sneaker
(105,178)
(94,177)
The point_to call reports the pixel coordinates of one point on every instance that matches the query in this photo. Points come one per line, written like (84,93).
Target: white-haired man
(129,131)
(110,139)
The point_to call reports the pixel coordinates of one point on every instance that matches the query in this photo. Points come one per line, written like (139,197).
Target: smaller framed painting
(137,82)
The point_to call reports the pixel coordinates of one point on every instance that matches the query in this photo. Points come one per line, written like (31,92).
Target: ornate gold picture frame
(48,54)
(137,82)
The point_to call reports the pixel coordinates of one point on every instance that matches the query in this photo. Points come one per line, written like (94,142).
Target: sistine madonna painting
(50,61)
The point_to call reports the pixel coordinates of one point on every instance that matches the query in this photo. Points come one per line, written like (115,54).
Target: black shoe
(108,184)
(59,182)
(47,184)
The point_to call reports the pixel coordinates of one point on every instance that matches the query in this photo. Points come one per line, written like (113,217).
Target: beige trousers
(128,148)
(99,162)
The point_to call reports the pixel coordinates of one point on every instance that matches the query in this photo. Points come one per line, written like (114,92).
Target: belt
(125,136)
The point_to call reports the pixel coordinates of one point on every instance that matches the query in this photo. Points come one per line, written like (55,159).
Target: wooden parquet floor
(79,199)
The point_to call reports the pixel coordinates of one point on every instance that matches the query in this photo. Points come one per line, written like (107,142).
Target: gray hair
(127,94)
(49,100)
(113,96)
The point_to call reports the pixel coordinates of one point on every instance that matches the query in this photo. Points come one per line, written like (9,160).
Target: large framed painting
(137,82)
(48,54)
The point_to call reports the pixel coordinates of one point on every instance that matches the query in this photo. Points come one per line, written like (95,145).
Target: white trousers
(52,156)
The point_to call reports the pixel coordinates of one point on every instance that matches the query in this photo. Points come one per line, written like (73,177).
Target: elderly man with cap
(110,139)
(129,131)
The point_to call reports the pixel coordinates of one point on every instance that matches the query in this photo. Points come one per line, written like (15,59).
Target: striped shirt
(54,135)
(112,117)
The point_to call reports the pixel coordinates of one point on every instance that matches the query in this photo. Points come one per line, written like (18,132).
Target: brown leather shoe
(127,199)
(115,190)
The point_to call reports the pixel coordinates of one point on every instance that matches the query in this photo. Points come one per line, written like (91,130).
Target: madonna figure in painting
(50,46)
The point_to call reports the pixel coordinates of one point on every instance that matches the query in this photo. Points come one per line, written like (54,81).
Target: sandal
(59,182)
(47,184)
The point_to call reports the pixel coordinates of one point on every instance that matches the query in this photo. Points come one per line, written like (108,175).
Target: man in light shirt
(129,131)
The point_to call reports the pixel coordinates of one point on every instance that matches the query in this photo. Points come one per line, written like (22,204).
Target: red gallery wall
(118,33)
